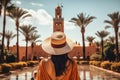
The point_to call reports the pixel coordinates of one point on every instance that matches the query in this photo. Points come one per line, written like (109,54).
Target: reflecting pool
(91,73)
(86,73)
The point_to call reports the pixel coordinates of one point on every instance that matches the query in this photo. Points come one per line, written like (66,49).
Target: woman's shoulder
(74,63)
(45,61)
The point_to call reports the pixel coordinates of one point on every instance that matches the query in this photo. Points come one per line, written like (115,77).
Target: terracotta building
(58,25)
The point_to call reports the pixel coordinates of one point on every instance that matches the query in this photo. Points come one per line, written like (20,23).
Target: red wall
(77,50)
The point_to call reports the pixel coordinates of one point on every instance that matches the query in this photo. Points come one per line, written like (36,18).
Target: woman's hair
(60,63)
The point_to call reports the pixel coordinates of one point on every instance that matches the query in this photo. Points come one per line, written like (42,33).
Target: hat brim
(46,46)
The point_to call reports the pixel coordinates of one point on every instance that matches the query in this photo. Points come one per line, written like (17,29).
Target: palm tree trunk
(17,25)
(8,45)
(83,40)
(116,45)
(4,24)
(102,49)
(32,46)
(32,53)
(26,49)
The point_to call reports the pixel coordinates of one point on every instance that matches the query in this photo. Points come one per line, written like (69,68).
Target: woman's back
(59,66)
(48,71)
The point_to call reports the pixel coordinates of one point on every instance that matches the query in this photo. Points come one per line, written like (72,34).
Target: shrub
(109,51)
(106,65)
(10,58)
(23,64)
(95,63)
(115,67)
(84,62)
(34,57)
(96,56)
(6,68)
(32,63)
(13,65)
(18,65)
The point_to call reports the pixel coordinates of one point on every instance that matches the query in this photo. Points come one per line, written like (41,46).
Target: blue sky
(43,13)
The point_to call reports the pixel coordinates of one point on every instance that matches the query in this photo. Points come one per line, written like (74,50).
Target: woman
(59,66)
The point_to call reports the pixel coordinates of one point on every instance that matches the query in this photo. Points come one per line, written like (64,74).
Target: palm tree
(119,33)
(0,45)
(90,39)
(102,34)
(82,21)
(27,30)
(33,39)
(0,6)
(97,43)
(119,37)
(114,22)
(5,5)
(112,39)
(17,14)
(9,36)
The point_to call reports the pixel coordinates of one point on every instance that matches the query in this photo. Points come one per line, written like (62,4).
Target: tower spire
(58,21)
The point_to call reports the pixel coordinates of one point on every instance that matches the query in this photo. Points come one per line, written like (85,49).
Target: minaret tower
(58,21)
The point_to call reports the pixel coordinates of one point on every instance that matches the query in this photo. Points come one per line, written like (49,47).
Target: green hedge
(106,65)
(84,62)
(95,63)
(32,63)
(6,67)
(116,67)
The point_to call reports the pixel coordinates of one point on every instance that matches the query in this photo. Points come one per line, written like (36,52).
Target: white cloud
(17,2)
(39,17)
(36,4)
(69,25)
(42,18)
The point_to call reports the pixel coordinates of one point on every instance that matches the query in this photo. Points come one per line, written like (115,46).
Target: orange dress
(46,71)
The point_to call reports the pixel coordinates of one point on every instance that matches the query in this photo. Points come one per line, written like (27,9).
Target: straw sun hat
(57,44)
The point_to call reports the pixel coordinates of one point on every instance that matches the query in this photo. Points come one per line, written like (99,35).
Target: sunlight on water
(22,76)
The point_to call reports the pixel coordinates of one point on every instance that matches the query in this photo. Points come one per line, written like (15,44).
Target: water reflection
(21,76)
(90,73)
(86,73)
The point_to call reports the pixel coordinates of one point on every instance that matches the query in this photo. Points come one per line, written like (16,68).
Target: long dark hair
(60,63)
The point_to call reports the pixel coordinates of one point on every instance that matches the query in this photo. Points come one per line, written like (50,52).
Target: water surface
(86,73)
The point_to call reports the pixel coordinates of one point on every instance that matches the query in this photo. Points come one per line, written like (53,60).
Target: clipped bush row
(6,67)
(84,62)
(95,63)
(114,66)
(106,65)
(32,63)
